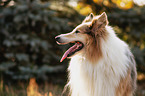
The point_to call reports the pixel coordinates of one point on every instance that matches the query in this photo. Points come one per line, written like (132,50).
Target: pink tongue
(68,51)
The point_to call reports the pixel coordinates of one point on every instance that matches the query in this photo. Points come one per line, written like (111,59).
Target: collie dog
(101,64)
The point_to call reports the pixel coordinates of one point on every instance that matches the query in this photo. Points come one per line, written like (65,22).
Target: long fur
(104,77)
(105,67)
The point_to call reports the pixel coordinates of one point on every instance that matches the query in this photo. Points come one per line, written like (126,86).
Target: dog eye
(77,31)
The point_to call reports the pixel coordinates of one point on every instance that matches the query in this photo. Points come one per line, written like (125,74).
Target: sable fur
(105,66)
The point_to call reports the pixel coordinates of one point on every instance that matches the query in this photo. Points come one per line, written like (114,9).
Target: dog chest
(88,80)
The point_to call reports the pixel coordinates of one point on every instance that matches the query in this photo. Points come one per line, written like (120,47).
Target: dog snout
(57,38)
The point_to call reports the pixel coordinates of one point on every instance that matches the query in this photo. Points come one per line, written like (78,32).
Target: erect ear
(91,16)
(101,22)
(103,19)
(88,18)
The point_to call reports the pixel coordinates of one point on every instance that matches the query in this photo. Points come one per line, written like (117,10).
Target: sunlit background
(29,55)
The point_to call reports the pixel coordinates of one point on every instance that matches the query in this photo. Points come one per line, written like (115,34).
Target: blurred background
(29,55)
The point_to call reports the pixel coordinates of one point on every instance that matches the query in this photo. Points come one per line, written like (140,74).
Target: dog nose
(57,38)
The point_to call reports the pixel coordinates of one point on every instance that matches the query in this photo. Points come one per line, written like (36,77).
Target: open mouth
(72,50)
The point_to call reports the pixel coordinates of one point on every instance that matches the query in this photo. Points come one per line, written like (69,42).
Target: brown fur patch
(96,34)
(93,47)
(125,86)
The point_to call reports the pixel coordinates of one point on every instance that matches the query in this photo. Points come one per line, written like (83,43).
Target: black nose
(57,38)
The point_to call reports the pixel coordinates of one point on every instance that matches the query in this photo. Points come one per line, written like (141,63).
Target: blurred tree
(27,31)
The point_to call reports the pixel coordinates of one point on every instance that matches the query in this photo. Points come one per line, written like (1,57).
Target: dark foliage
(27,31)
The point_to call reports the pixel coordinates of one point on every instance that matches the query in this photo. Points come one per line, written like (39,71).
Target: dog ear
(101,22)
(91,16)
(88,18)
(103,19)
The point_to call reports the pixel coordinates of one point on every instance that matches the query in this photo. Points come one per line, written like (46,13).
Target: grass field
(48,89)
(31,89)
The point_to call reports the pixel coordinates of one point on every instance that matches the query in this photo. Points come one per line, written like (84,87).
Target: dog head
(86,36)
